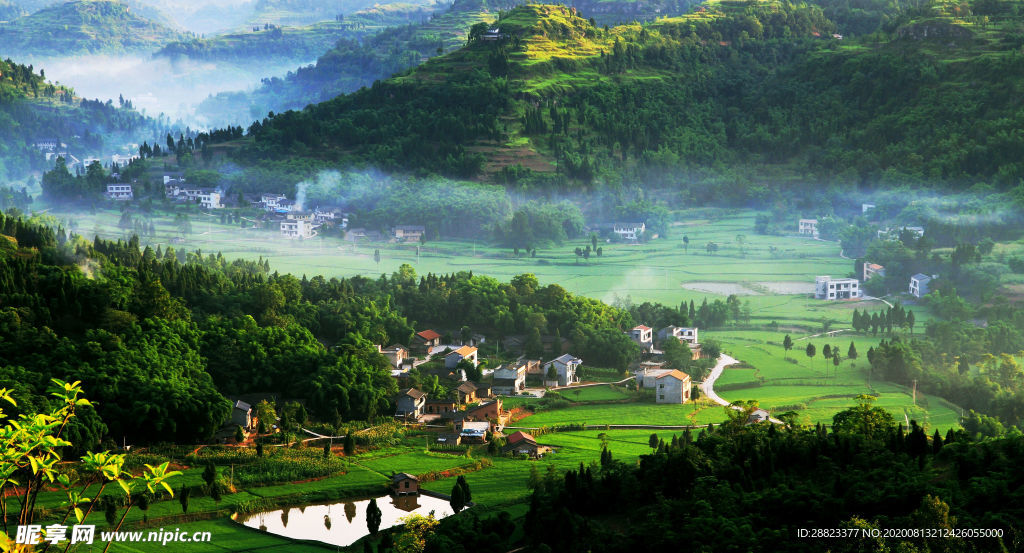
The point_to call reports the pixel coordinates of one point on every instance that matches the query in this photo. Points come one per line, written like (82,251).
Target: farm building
(828,288)
(808,227)
(919,285)
(298,227)
(642,336)
(396,354)
(872,269)
(510,379)
(426,338)
(565,365)
(241,415)
(209,198)
(405,484)
(629,231)
(681,333)
(408,233)
(521,443)
(474,432)
(439,406)
(410,403)
(468,353)
(673,387)
(119,191)
(467,392)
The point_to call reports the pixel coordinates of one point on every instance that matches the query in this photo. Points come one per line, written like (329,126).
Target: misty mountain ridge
(84,27)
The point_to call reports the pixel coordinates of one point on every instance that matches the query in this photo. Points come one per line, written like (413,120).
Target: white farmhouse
(209,199)
(808,227)
(643,336)
(681,333)
(565,366)
(828,288)
(919,285)
(298,227)
(629,231)
(119,191)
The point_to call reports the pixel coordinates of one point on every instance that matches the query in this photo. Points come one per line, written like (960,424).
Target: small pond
(344,522)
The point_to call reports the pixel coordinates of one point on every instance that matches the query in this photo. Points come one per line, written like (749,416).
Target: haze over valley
(430,277)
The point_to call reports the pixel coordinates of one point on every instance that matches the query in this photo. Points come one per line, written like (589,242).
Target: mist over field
(157,85)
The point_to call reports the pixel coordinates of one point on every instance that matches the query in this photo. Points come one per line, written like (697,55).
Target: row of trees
(866,473)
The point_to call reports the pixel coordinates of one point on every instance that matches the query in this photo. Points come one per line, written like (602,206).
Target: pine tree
(787,344)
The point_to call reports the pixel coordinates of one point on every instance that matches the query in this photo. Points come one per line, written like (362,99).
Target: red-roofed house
(643,336)
(672,387)
(427,339)
(521,443)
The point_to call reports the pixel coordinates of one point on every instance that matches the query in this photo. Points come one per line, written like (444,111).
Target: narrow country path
(708,386)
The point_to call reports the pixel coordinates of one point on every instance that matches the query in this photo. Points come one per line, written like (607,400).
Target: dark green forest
(162,336)
(739,487)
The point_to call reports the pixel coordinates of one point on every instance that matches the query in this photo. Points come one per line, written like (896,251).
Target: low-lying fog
(159,85)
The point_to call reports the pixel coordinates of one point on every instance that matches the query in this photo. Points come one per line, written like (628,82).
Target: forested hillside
(743,487)
(735,93)
(140,327)
(83,27)
(357,61)
(31,109)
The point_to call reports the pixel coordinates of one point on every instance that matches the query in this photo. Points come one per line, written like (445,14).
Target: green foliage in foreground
(752,487)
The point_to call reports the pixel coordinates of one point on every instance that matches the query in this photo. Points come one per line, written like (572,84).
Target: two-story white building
(209,199)
(828,288)
(119,191)
(629,231)
(271,202)
(509,379)
(919,285)
(408,233)
(565,368)
(298,227)
(808,227)
(872,269)
(642,336)
(681,333)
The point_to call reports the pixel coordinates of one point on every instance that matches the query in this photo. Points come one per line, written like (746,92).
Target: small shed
(404,483)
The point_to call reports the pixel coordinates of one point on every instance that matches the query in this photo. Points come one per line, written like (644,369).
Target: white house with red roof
(643,336)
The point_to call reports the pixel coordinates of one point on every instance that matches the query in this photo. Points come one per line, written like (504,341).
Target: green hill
(736,95)
(31,108)
(355,62)
(84,27)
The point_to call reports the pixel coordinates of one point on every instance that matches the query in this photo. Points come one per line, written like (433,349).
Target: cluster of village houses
(829,288)
(53,148)
(474,409)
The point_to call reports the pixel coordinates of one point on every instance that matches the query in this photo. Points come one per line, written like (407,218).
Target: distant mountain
(356,62)
(84,27)
(305,12)
(736,95)
(269,43)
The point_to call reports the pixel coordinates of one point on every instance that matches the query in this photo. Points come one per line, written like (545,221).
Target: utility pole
(915,392)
